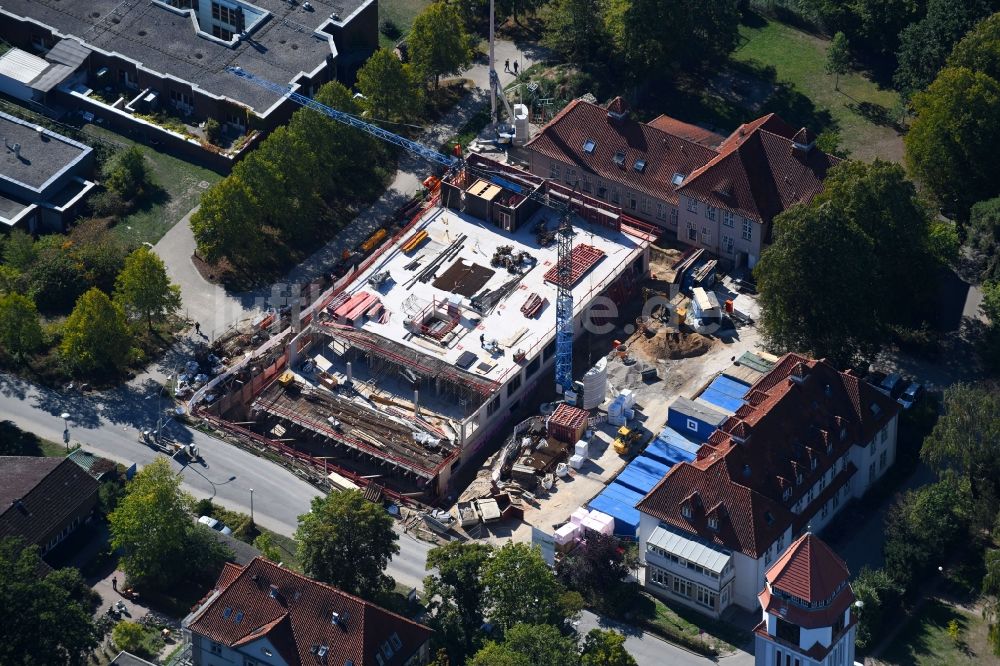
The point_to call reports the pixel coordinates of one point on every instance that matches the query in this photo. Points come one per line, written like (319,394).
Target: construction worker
(506,65)
(515,68)
(482,339)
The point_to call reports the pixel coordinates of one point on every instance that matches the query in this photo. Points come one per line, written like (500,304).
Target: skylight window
(227,612)
(640,165)
(677,179)
(875,409)
(589,145)
(239,617)
(620,158)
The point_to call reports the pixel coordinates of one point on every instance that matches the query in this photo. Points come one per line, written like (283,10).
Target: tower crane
(564,292)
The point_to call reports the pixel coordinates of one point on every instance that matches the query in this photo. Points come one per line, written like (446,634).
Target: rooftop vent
(589,145)
(619,158)
(640,165)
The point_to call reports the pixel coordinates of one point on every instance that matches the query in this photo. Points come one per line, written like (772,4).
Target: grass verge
(399,13)
(925,640)
(17,442)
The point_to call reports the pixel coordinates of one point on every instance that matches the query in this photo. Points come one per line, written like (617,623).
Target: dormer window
(829,448)
(787,494)
(798,479)
(619,158)
(589,145)
(686,510)
(640,165)
(876,410)
(713,523)
(813,463)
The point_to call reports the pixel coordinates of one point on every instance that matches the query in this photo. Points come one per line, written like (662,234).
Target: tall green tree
(605,648)
(530,644)
(47,620)
(598,570)
(143,288)
(575,30)
(991,590)
(95,335)
(226,223)
(991,302)
(347,541)
(966,441)
(151,524)
(438,42)
(56,278)
(19,250)
(983,234)
(926,44)
(949,147)
(979,49)
(881,603)
(127,174)
(816,285)
(838,58)
(455,595)
(20,329)
(520,588)
(392,90)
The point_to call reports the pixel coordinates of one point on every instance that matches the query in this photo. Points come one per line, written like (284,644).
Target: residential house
(716,193)
(807,439)
(44,500)
(265,615)
(806,604)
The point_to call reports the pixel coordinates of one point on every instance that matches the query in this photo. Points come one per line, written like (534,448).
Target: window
(871,472)
(615,195)
(706,597)
(706,236)
(798,479)
(825,509)
(570,177)
(781,543)
(692,206)
(677,178)
(727,218)
(882,460)
(686,510)
(640,165)
(658,576)
(494,405)
(713,523)
(767,558)
(553,170)
(533,366)
(589,145)
(619,158)
(585,184)
(514,385)
(661,211)
(549,350)
(692,234)
(644,205)
(602,191)
(786,495)
(229,15)
(747,229)
(673,217)
(632,203)
(727,244)
(710,212)
(215,648)
(221,33)
(884,434)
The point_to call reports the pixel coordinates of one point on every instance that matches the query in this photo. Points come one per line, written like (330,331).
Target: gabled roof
(687,131)
(758,465)
(39,494)
(809,570)
(300,616)
(761,170)
(665,154)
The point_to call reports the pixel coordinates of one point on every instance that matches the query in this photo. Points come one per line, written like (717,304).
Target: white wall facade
(772,652)
(721,232)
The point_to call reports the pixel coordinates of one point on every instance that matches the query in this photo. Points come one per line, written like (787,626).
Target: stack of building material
(578,516)
(576,461)
(567,423)
(567,534)
(582,448)
(532,305)
(598,522)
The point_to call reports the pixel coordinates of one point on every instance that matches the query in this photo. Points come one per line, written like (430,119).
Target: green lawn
(799,59)
(182,184)
(924,641)
(401,13)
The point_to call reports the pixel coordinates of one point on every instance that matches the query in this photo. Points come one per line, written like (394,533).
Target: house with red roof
(807,439)
(716,193)
(265,615)
(807,607)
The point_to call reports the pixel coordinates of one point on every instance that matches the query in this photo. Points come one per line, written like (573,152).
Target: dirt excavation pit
(667,343)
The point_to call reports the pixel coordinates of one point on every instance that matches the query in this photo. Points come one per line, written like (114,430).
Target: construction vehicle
(626,439)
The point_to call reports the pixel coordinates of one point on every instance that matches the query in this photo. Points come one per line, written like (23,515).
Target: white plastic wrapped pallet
(582,449)
(576,462)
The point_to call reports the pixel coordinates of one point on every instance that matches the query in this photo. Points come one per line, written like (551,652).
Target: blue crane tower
(564,292)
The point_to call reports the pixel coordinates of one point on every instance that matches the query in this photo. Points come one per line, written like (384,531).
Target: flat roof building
(42,175)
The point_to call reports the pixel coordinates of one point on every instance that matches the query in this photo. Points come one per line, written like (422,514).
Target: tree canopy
(979,49)
(47,619)
(392,90)
(575,29)
(605,648)
(127,175)
(598,570)
(983,234)
(438,42)
(347,541)
(838,57)
(20,329)
(528,645)
(520,588)
(949,147)
(95,335)
(143,288)
(455,596)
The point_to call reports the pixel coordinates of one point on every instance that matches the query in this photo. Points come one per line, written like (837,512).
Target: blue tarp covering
(725,392)
(670,447)
(642,474)
(619,502)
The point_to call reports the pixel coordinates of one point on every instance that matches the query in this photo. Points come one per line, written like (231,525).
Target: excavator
(626,439)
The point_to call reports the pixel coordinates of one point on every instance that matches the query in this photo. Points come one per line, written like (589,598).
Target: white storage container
(576,462)
(582,449)
(578,516)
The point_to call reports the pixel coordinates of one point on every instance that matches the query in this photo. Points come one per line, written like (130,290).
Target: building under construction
(405,368)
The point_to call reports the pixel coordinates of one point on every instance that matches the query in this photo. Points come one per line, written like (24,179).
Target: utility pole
(65,417)
(251,507)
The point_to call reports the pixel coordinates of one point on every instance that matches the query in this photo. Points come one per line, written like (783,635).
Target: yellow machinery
(626,438)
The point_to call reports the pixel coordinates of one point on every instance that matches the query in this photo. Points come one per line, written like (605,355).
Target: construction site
(407,367)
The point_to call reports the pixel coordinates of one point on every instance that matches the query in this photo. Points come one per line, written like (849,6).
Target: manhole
(203,184)
(198,56)
(95,14)
(116,20)
(295,47)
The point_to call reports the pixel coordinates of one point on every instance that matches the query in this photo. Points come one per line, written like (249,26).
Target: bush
(389,28)
(108,204)
(213,130)
(129,636)
(204,507)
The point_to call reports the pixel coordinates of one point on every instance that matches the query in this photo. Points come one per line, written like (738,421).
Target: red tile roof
(809,570)
(296,614)
(665,154)
(38,495)
(569,416)
(760,172)
(795,428)
(684,130)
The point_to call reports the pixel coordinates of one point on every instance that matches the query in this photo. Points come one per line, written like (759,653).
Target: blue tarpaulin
(670,447)
(619,502)
(642,474)
(725,392)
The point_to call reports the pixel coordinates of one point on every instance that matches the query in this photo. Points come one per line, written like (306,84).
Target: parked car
(911,395)
(893,385)
(214,524)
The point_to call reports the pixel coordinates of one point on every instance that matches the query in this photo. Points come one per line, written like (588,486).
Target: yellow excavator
(627,437)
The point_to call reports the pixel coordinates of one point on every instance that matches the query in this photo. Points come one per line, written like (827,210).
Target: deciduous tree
(597,569)
(95,335)
(46,619)
(605,648)
(127,174)
(392,90)
(143,288)
(438,42)
(520,588)
(20,330)
(226,223)
(128,636)
(949,147)
(881,600)
(838,58)
(455,595)
(530,644)
(983,234)
(991,590)
(575,29)
(979,49)
(56,278)
(19,250)
(347,541)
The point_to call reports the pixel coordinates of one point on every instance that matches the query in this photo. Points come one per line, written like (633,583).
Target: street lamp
(65,417)
(251,507)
